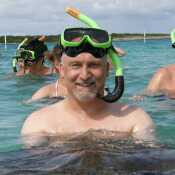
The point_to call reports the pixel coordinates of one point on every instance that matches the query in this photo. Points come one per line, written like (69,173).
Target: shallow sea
(88,153)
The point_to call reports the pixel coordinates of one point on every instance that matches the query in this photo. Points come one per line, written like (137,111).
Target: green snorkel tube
(119,79)
(172,36)
(15,58)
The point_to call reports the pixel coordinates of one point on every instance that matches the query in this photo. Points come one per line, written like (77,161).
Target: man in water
(58,89)
(84,69)
(161,83)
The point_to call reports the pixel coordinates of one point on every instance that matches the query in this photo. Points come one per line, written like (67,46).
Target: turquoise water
(140,62)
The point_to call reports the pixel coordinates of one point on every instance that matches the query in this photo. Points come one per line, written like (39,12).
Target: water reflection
(94,152)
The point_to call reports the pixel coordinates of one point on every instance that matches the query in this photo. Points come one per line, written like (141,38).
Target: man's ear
(61,70)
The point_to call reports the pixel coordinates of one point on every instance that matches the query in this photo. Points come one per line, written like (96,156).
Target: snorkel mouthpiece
(15,58)
(119,79)
(27,55)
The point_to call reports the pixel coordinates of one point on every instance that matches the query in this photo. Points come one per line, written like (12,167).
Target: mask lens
(73,35)
(76,35)
(98,36)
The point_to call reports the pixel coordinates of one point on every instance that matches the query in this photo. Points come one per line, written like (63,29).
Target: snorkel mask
(21,53)
(172,36)
(77,40)
(96,41)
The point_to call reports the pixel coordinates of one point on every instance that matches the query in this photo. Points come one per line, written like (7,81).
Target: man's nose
(85,73)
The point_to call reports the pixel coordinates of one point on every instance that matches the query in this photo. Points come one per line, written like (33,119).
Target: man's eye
(75,65)
(95,65)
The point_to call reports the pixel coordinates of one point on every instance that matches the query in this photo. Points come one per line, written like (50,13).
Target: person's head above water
(96,42)
(84,65)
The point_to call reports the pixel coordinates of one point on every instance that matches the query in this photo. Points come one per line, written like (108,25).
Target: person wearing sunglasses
(84,68)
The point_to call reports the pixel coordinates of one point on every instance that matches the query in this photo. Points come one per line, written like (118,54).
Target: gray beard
(84,97)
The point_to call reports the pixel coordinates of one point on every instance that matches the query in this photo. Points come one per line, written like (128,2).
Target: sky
(35,17)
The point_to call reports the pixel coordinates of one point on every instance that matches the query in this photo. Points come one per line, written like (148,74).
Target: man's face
(84,75)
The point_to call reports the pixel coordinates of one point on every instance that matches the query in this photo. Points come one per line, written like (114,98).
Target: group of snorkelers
(30,59)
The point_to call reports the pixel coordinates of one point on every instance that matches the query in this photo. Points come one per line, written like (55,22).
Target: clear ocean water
(140,62)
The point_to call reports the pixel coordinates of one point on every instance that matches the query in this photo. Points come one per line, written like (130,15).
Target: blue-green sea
(140,63)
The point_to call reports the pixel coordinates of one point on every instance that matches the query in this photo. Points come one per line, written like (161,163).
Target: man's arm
(144,127)
(154,85)
(33,131)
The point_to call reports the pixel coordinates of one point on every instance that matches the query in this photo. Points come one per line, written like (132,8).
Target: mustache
(86,82)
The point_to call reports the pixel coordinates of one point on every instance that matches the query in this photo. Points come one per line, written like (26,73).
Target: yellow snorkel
(119,79)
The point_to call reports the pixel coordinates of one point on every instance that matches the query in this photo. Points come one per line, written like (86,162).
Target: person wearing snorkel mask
(84,68)
(32,55)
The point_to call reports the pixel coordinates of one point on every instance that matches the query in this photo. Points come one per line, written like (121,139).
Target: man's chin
(85,97)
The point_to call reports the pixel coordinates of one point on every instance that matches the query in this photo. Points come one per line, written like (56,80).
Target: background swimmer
(36,65)
(162,83)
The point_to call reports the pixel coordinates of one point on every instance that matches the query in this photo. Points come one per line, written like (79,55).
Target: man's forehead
(82,57)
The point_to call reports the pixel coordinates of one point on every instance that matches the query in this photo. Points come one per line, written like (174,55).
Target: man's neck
(89,108)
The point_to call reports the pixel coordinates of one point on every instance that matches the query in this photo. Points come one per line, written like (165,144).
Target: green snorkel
(25,54)
(15,58)
(172,36)
(119,79)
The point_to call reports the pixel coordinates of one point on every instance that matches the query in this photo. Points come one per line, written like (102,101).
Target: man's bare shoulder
(41,120)
(137,117)
(133,112)
(141,118)
(123,109)
(166,70)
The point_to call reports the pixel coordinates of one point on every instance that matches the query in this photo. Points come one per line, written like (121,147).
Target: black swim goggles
(77,40)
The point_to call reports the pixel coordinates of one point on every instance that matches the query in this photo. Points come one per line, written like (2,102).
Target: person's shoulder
(39,120)
(134,112)
(161,73)
(49,87)
(45,91)
(162,70)
(166,69)
(140,117)
(123,108)
(35,122)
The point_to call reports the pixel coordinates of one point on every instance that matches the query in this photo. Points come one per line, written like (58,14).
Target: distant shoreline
(126,37)
(115,37)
